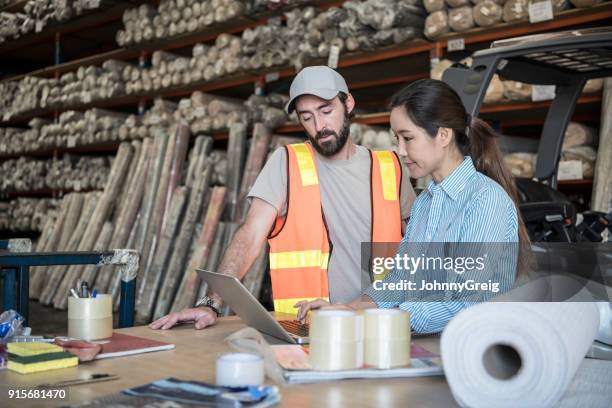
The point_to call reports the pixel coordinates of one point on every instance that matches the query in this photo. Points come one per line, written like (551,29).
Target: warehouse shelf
(90,33)
(516,123)
(108,147)
(382,118)
(42,193)
(14,7)
(241,79)
(519,106)
(351,65)
(564,19)
(573,186)
(102,148)
(10,234)
(581,182)
(113,11)
(368,119)
(233,26)
(208,34)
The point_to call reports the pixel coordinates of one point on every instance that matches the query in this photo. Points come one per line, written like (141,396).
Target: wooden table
(194,359)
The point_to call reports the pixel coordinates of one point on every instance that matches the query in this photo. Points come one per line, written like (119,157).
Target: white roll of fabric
(516,354)
(520,350)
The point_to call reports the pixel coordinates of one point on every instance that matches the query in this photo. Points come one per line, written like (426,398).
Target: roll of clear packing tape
(336,340)
(387,338)
(386,323)
(90,318)
(240,370)
(336,355)
(327,325)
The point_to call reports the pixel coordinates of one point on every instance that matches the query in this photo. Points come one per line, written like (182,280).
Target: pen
(79,381)
(94,293)
(74,293)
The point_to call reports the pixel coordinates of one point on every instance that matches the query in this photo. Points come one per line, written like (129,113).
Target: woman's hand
(306,306)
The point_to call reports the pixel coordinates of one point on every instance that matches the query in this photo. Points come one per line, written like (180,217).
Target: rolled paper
(510,354)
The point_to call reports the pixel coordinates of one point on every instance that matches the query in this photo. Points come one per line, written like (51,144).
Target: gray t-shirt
(345,196)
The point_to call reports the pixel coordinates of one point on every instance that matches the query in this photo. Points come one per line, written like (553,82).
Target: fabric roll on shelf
(516,91)
(461,19)
(515,10)
(36,15)
(487,13)
(521,164)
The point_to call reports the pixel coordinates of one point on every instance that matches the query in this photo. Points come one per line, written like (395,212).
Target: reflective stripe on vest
(299,243)
(298,259)
(386,214)
(387,174)
(305,162)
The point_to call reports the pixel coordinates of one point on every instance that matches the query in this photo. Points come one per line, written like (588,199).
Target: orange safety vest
(299,242)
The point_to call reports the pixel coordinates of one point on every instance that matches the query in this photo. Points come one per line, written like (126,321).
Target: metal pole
(9,276)
(23,293)
(126,304)
(57,56)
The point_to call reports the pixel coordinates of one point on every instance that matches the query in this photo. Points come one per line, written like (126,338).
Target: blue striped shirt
(466,207)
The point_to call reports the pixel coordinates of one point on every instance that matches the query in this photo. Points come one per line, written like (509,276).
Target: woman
(472,197)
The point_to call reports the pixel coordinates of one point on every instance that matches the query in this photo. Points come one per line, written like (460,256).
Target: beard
(336,143)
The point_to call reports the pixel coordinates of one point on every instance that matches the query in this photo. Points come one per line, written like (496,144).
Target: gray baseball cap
(321,81)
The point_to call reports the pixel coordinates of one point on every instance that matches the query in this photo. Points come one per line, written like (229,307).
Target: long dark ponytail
(431,104)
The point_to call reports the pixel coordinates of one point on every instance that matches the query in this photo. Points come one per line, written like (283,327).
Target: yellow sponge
(26,358)
(32,349)
(34,367)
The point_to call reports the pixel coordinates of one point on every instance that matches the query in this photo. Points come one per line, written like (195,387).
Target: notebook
(293,359)
(120,345)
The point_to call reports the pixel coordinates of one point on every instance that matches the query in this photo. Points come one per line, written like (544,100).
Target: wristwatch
(209,302)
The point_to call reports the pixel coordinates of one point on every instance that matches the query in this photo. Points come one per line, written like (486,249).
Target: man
(312,199)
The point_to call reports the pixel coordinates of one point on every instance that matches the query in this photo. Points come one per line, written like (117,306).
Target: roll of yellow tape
(387,338)
(336,340)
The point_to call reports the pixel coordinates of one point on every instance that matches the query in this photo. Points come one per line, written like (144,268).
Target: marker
(74,293)
(94,293)
(84,290)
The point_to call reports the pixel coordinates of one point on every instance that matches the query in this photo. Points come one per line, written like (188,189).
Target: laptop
(248,308)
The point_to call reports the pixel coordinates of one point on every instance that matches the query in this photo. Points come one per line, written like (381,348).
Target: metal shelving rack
(358,68)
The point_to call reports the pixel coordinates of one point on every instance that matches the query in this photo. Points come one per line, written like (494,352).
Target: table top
(194,359)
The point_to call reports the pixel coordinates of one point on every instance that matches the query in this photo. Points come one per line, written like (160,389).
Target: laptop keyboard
(295,327)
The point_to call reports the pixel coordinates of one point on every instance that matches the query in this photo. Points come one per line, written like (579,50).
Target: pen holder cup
(90,318)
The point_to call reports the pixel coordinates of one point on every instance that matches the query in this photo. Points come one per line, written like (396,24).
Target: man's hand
(306,306)
(84,350)
(201,316)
